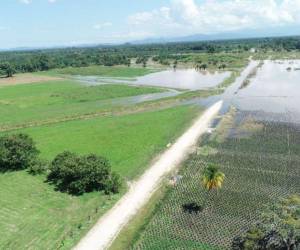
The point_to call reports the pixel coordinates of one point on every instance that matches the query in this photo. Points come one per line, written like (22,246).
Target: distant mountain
(278,32)
(250,33)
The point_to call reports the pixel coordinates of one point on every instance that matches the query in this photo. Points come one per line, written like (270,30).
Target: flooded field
(257,146)
(183,79)
(187,79)
(275,89)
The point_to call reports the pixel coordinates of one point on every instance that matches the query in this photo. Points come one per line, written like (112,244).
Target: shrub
(38,167)
(79,174)
(17,152)
(278,228)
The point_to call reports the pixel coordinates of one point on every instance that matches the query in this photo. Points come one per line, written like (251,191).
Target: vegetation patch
(58,100)
(115,71)
(277,228)
(128,141)
(259,170)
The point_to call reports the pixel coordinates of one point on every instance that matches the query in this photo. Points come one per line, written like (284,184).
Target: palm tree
(212,177)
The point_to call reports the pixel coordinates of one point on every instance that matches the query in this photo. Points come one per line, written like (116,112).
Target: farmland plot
(260,167)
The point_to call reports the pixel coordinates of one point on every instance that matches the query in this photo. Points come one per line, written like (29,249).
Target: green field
(35,216)
(115,71)
(127,141)
(261,163)
(27,103)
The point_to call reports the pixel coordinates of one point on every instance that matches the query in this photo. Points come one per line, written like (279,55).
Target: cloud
(30,1)
(102,25)
(26,1)
(3,28)
(212,16)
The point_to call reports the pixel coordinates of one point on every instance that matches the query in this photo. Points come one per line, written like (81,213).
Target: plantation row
(260,167)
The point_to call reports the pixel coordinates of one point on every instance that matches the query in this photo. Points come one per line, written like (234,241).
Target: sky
(46,23)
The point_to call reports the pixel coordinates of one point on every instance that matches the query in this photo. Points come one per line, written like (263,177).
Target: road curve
(107,228)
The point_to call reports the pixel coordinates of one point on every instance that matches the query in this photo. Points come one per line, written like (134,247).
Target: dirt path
(108,227)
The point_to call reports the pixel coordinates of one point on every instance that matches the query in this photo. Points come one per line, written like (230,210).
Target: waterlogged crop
(261,165)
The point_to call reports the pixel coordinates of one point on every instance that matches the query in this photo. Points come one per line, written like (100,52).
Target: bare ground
(25,78)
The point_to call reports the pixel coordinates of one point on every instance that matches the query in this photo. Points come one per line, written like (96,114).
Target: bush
(17,152)
(38,167)
(80,174)
(277,229)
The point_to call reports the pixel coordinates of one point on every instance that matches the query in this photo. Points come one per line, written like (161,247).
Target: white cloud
(212,16)
(102,25)
(26,1)
(30,1)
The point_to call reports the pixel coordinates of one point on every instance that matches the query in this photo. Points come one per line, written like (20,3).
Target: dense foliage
(45,59)
(278,228)
(17,152)
(6,69)
(79,174)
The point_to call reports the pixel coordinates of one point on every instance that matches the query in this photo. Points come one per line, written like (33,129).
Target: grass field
(115,71)
(22,104)
(34,216)
(261,164)
(128,141)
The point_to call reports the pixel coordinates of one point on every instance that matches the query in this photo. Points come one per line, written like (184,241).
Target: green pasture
(21,104)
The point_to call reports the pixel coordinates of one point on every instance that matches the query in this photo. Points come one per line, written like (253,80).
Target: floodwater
(186,79)
(275,89)
(273,92)
(174,83)
(189,79)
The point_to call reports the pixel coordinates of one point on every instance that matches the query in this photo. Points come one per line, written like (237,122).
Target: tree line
(45,59)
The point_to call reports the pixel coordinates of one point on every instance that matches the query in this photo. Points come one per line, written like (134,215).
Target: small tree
(7,69)
(17,152)
(212,177)
(144,63)
(175,65)
(79,174)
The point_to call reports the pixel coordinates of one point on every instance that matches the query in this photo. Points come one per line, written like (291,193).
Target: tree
(278,228)
(17,152)
(7,69)
(145,64)
(44,62)
(80,174)
(175,65)
(212,177)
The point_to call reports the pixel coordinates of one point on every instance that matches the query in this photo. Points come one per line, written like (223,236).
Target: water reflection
(183,79)
(275,89)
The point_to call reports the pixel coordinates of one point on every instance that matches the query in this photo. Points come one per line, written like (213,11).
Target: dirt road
(108,227)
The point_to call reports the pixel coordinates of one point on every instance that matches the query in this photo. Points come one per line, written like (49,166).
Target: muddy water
(183,79)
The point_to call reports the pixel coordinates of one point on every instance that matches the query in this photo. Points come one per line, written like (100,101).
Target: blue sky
(25,23)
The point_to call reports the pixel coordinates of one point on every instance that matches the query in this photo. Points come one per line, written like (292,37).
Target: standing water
(183,79)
